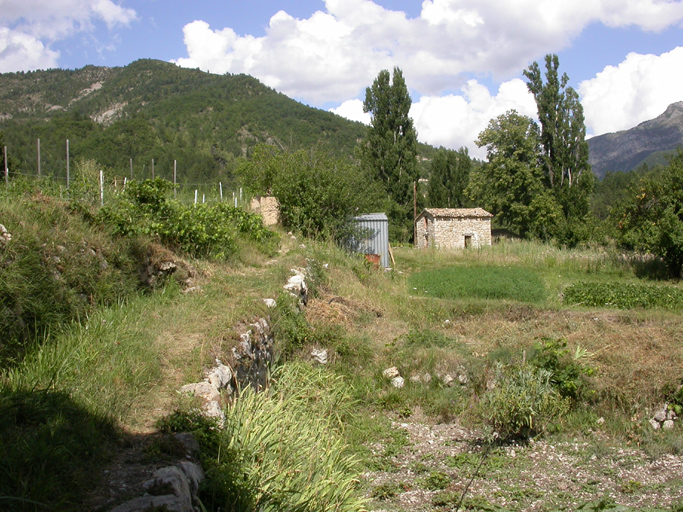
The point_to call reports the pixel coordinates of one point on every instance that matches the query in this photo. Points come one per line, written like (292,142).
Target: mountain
(646,143)
(155,110)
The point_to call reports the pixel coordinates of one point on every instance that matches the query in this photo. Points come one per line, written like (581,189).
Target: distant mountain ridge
(627,149)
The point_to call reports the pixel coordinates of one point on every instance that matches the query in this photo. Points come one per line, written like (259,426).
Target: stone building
(453,228)
(268,207)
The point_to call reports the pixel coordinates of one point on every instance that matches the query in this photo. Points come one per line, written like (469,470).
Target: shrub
(523,402)
(624,295)
(568,373)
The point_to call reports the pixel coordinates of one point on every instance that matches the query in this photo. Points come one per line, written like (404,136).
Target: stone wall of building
(451,233)
(268,207)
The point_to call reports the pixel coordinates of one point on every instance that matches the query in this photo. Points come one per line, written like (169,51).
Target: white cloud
(638,89)
(334,54)
(353,110)
(22,51)
(30,26)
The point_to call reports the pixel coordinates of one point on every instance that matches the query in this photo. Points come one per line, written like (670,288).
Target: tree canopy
(389,151)
(448,178)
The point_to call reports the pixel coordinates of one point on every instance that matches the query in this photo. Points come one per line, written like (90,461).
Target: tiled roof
(457,212)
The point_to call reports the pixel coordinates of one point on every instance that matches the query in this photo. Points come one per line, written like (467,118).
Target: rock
(220,376)
(655,424)
(668,425)
(194,474)
(147,503)
(427,378)
(5,236)
(271,303)
(188,442)
(201,390)
(448,380)
(319,356)
(398,382)
(671,415)
(168,480)
(415,379)
(296,286)
(600,420)
(446,323)
(390,373)
(192,289)
(660,415)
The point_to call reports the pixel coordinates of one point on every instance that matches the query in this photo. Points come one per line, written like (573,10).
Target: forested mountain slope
(155,110)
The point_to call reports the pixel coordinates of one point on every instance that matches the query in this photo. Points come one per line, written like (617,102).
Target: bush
(624,295)
(568,373)
(523,402)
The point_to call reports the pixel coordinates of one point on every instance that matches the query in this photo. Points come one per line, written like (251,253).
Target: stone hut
(268,207)
(453,228)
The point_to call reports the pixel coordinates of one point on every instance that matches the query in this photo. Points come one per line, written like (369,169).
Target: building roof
(456,212)
(372,216)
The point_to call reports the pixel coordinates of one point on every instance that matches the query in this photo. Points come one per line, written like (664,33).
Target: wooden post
(175,168)
(131,168)
(195,196)
(38,144)
(220,186)
(152,168)
(203,198)
(101,188)
(6,169)
(67,163)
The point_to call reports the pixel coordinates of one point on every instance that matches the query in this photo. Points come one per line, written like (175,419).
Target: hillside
(647,142)
(155,110)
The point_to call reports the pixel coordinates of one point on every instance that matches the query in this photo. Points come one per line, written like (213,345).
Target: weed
(436,481)
(624,295)
(388,490)
(568,372)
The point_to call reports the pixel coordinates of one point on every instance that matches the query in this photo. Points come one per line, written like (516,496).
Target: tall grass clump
(283,449)
(480,282)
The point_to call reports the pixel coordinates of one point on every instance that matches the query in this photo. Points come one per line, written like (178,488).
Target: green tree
(389,151)
(448,179)
(318,194)
(510,185)
(650,219)
(564,150)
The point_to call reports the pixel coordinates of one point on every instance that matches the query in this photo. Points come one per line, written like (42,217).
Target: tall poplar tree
(564,150)
(390,149)
(448,178)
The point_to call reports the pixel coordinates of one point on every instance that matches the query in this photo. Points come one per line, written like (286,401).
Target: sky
(463,60)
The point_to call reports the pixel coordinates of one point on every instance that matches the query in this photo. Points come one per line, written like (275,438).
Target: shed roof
(372,216)
(456,213)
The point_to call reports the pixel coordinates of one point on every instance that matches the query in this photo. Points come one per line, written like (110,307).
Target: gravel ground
(437,462)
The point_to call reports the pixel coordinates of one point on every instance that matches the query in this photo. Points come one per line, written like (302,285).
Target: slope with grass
(496,355)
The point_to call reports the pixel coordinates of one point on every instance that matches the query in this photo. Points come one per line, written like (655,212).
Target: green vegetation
(480,282)
(624,295)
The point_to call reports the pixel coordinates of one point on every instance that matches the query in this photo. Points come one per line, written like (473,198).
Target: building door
(468,241)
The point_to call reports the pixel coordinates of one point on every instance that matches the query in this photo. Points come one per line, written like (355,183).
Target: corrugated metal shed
(375,239)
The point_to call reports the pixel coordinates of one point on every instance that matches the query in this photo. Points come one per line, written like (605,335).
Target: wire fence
(110,184)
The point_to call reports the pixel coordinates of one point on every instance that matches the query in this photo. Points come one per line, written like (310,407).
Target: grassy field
(496,315)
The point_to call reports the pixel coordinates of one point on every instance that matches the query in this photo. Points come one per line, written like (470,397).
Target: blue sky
(462,59)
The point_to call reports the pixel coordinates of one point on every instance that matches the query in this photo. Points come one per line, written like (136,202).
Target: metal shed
(375,236)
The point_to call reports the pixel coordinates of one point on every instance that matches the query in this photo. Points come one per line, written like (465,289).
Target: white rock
(220,376)
(397,382)
(319,356)
(448,380)
(671,415)
(654,424)
(668,425)
(660,415)
(271,303)
(600,420)
(390,373)
(201,390)
(427,378)
(416,379)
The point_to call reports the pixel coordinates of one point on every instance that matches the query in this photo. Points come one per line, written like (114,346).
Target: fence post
(195,196)
(6,170)
(220,186)
(131,168)
(67,163)
(203,198)
(38,144)
(101,188)
(175,167)
(152,168)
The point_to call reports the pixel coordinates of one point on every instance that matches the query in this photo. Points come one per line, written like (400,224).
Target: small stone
(390,373)
(448,380)
(668,425)
(271,303)
(446,323)
(660,415)
(416,379)
(600,420)
(397,382)
(655,424)
(427,378)
(671,415)
(319,356)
